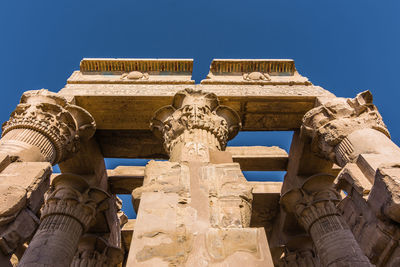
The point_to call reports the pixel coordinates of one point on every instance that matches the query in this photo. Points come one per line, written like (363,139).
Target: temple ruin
(338,205)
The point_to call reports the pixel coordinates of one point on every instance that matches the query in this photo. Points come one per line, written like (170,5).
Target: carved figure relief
(135,75)
(256,76)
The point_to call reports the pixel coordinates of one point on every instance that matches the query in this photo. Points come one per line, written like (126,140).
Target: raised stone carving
(135,75)
(329,124)
(70,208)
(45,123)
(315,207)
(195,209)
(195,115)
(256,76)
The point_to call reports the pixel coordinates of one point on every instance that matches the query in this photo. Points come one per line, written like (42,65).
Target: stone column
(351,133)
(45,127)
(69,209)
(42,131)
(344,129)
(195,209)
(314,205)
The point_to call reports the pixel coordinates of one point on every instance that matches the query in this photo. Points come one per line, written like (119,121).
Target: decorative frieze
(127,65)
(254,72)
(47,123)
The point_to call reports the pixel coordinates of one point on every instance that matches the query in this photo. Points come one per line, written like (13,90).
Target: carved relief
(195,110)
(71,195)
(330,123)
(70,208)
(135,75)
(229,195)
(46,121)
(256,76)
(315,207)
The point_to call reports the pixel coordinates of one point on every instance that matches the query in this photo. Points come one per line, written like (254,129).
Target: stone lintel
(263,188)
(261,107)
(124,179)
(259,158)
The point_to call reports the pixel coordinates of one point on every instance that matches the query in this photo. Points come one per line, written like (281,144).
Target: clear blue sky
(344,46)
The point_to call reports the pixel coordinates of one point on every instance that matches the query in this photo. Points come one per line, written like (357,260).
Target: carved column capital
(314,200)
(47,121)
(72,196)
(195,112)
(70,209)
(329,124)
(315,207)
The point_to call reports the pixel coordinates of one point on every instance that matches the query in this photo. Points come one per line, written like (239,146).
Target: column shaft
(335,243)
(54,243)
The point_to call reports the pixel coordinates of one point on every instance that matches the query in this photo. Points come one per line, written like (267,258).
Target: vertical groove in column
(18,140)
(343,151)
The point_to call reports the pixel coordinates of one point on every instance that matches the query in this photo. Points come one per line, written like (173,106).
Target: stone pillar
(195,209)
(45,127)
(42,131)
(314,205)
(351,133)
(69,209)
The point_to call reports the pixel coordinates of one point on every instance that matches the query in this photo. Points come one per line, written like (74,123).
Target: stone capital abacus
(45,127)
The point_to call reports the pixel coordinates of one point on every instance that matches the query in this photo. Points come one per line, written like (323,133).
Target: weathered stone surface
(44,127)
(385,194)
(70,208)
(338,204)
(330,124)
(315,207)
(253,71)
(204,208)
